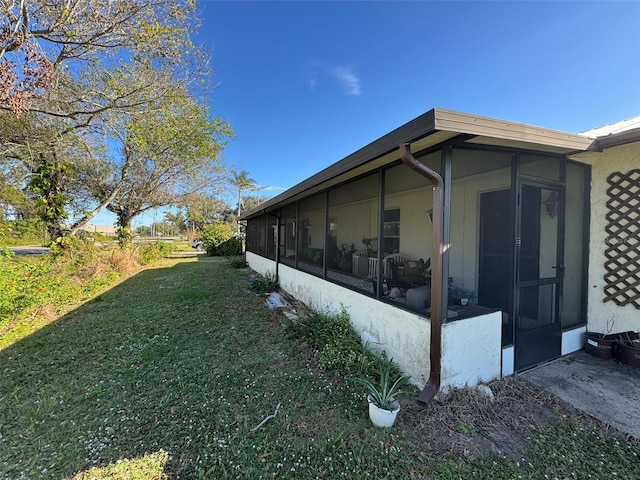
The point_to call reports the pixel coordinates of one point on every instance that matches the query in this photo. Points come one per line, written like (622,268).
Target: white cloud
(345,76)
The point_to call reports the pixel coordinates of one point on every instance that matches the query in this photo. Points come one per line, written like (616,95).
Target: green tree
(169,151)
(202,209)
(40,152)
(176,221)
(242,182)
(74,69)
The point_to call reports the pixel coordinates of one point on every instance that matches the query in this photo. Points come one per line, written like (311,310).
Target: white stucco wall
(404,336)
(471,348)
(606,317)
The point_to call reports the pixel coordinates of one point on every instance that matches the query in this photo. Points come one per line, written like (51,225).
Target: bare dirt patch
(469,424)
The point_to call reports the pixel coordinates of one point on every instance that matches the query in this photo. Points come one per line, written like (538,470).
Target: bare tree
(39,38)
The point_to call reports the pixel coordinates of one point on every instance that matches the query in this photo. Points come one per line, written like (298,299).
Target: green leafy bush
(153,251)
(233,246)
(265,284)
(238,262)
(68,245)
(338,345)
(5,253)
(22,232)
(36,289)
(219,239)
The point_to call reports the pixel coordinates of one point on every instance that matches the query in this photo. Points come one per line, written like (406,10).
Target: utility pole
(239,205)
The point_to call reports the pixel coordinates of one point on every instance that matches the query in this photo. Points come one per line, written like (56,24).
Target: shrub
(338,345)
(264,284)
(233,246)
(153,251)
(219,239)
(124,261)
(6,253)
(238,262)
(68,245)
(21,232)
(35,289)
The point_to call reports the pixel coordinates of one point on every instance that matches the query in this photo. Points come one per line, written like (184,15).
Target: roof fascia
(503,129)
(410,131)
(617,139)
(435,120)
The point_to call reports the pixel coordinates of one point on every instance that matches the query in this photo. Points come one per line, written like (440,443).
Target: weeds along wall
(404,336)
(471,348)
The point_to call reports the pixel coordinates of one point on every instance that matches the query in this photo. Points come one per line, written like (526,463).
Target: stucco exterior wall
(606,317)
(471,348)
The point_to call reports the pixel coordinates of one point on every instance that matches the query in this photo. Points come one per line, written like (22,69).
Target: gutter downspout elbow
(433,384)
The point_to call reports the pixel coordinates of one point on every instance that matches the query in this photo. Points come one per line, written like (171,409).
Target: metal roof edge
(617,139)
(472,124)
(413,129)
(436,119)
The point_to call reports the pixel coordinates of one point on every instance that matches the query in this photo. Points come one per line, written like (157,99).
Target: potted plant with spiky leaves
(383,403)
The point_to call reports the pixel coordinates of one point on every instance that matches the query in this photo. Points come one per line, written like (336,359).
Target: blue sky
(307,83)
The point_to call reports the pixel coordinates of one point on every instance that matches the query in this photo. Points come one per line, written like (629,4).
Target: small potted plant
(383,405)
(603,345)
(459,296)
(628,349)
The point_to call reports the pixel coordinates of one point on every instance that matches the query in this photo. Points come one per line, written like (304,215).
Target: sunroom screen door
(538,275)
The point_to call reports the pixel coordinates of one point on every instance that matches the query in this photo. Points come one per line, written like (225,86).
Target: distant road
(30,250)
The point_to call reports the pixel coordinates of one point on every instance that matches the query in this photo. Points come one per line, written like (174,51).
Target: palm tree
(242,181)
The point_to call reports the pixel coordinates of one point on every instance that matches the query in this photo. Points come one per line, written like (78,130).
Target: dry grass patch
(467,423)
(123,261)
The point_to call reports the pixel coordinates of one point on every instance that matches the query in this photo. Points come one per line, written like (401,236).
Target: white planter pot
(381,417)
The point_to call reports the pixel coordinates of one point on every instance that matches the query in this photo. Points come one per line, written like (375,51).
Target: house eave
(430,129)
(618,139)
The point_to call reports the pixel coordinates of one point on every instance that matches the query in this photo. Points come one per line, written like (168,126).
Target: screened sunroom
(514,219)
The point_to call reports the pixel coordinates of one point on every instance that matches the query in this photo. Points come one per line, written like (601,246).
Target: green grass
(167,375)
(182,246)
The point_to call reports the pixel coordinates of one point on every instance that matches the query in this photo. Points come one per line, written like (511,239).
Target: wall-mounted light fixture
(430,215)
(551,204)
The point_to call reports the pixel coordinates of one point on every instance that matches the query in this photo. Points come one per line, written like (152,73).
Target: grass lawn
(168,374)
